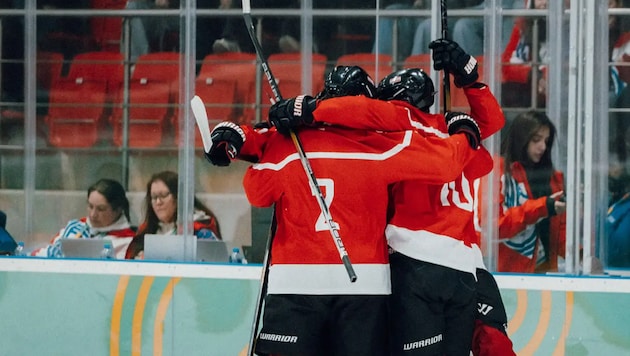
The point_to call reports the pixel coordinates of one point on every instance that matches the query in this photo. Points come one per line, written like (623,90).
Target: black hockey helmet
(347,80)
(411,85)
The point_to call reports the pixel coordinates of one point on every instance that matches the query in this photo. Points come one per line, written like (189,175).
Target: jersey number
(450,195)
(327,187)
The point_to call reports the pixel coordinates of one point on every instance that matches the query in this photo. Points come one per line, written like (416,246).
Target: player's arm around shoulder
(435,160)
(260,184)
(256,139)
(485,108)
(361,112)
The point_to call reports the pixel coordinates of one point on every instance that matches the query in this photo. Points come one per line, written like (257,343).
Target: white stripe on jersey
(426,246)
(340,155)
(428,129)
(327,279)
(478,257)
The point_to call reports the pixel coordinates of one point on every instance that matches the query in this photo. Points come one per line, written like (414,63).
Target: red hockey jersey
(354,169)
(432,223)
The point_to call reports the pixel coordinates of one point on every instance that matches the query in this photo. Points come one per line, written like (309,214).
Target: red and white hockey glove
(459,122)
(227,141)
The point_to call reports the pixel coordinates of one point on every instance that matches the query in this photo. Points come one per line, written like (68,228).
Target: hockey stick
(332,226)
(263,285)
(446,82)
(201,116)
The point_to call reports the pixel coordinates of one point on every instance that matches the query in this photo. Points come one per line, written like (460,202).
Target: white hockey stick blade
(199,111)
(246,7)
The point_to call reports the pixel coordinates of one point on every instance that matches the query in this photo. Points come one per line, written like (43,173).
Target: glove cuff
(303,107)
(469,74)
(463,123)
(458,119)
(232,126)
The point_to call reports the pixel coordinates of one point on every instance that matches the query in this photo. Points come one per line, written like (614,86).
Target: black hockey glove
(288,114)
(459,122)
(227,141)
(449,55)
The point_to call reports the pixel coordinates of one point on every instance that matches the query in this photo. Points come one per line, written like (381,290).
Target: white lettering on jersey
(449,195)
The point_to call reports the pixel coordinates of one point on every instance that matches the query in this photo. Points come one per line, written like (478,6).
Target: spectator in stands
(618,216)
(519,57)
(406,27)
(619,41)
(236,38)
(108,218)
(12,66)
(468,31)
(532,220)
(160,208)
(619,91)
(7,243)
(209,28)
(153,33)
(69,35)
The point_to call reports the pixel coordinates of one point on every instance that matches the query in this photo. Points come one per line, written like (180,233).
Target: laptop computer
(212,251)
(170,247)
(83,248)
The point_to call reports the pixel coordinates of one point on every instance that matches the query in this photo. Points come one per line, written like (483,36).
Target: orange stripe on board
(114,327)
(541,328)
(160,315)
(568,316)
(519,313)
(138,313)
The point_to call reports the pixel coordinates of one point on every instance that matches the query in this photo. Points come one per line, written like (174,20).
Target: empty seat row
(92,93)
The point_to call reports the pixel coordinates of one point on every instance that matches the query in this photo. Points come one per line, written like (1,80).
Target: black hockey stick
(332,226)
(446,82)
(312,182)
(263,286)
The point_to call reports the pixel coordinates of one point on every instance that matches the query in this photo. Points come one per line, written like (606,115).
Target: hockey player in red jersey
(432,227)
(311,307)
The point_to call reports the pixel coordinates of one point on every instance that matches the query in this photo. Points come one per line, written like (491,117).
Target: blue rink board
(124,308)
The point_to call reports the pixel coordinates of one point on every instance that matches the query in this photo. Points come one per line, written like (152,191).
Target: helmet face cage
(411,85)
(347,80)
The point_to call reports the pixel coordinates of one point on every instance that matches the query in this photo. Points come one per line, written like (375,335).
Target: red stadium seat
(422,61)
(76,106)
(233,69)
(49,66)
(99,66)
(153,92)
(107,30)
(219,96)
(287,70)
(368,61)
(79,101)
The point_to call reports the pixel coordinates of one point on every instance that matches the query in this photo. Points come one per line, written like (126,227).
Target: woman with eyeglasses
(107,218)
(160,208)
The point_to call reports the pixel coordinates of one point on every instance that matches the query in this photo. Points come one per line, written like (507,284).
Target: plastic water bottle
(108,252)
(19,250)
(237,257)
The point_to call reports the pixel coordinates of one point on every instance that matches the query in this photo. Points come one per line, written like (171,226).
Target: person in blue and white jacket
(108,218)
